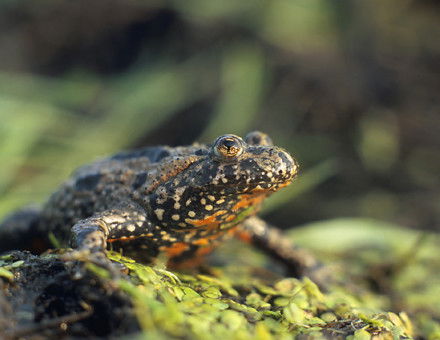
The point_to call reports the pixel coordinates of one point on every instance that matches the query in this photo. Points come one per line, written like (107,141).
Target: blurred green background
(351,88)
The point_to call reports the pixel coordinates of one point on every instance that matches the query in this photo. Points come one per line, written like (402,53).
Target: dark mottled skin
(182,201)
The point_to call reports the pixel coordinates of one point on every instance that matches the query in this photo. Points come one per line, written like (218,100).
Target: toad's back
(110,182)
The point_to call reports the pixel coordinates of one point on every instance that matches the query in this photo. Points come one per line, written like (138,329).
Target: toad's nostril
(288,165)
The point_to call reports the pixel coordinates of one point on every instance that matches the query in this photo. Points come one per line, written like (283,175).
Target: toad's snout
(275,166)
(286,167)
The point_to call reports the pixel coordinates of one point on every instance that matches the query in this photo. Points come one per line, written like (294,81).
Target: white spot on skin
(269,174)
(224,180)
(220,201)
(131,228)
(203,201)
(191,213)
(179,192)
(161,200)
(114,219)
(176,205)
(188,202)
(159,214)
(161,191)
(181,224)
(188,237)
(211,198)
(175,217)
(208,207)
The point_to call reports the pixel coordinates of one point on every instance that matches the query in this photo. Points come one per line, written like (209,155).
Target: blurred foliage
(348,87)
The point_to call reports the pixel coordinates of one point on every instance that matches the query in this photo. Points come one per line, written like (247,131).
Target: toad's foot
(89,241)
(80,260)
(299,262)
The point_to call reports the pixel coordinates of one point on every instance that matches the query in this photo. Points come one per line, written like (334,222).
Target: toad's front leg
(123,223)
(273,242)
(89,236)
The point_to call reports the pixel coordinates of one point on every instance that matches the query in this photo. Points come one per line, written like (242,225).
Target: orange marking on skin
(124,238)
(232,231)
(247,200)
(193,262)
(204,251)
(190,263)
(208,220)
(283,185)
(244,236)
(202,241)
(208,244)
(230,218)
(207,239)
(176,249)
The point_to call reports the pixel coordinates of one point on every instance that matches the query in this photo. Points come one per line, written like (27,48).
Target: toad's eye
(228,146)
(258,138)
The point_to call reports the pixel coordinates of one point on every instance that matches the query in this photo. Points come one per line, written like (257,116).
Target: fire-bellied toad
(177,200)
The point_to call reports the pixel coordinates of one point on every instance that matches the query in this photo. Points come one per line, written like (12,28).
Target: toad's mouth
(269,187)
(258,187)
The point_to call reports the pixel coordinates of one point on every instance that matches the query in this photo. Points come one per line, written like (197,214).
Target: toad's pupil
(229,147)
(230,144)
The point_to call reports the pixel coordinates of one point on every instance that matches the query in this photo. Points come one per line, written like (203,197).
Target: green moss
(6,266)
(382,290)
(6,274)
(241,302)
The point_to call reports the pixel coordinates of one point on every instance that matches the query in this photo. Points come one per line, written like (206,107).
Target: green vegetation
(241,300)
